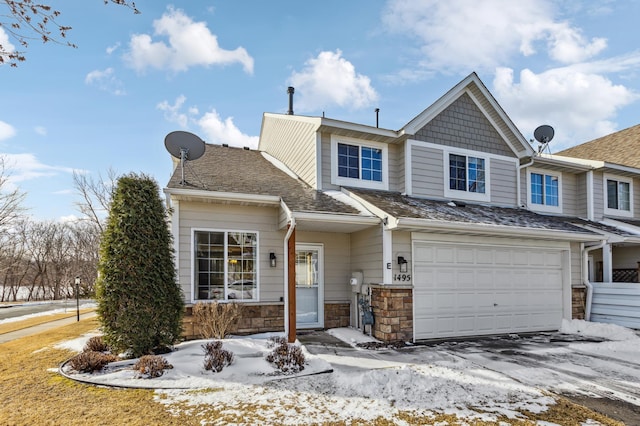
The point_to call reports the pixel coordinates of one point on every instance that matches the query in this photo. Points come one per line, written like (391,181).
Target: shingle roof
(621,147)
(241,171)
(402,206)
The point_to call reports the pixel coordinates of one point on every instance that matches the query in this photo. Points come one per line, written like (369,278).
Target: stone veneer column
(393,313)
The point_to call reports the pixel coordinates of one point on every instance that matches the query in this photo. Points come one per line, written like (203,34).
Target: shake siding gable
(463,125)
(293,143)
(262,220)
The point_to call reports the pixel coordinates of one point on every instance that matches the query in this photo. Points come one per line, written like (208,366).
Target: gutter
(585,276)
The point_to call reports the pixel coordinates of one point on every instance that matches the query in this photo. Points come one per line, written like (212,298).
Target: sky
(470,380)
(214,67)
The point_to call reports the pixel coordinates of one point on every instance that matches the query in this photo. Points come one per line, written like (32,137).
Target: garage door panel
(466,290)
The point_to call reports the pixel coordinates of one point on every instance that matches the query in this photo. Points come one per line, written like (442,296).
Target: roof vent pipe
(377,114)
(290,91)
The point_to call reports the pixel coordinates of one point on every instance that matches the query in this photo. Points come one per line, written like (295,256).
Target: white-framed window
(545,190)
(467,176)
(618,197)
(359,163)
(225,265)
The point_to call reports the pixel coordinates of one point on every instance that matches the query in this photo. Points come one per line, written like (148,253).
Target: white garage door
(472,290)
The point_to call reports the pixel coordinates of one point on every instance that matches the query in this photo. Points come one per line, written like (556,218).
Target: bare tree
(11,199)
(25,20)
(96,196)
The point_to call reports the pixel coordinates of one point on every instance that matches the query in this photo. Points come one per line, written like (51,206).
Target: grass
(32,392)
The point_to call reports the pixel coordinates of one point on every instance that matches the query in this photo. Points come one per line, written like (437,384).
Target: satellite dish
(185,146)
(543,134)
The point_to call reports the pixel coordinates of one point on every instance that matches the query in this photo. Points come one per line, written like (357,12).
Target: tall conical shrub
(140,304)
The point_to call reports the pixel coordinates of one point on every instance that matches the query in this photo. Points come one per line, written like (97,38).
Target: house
(451,226)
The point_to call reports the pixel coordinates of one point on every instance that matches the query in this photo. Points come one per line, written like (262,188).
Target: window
(359,162)
(545,189)
(618,195)
(225,265)
(467,173)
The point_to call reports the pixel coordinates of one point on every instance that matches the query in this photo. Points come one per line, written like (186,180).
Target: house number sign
(402,277)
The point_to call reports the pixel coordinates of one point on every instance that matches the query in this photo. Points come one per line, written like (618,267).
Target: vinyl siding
(401,246)
(326,162)
(463,125)
(502,175)
(598,196)
(292,142)
(427,172)
(581,195)
(636,198)
(237,218)
(569,194)
(366,254)
(576,264)
(337,262)
(396,168)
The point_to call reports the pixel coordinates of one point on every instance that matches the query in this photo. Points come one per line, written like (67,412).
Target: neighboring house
(451,226)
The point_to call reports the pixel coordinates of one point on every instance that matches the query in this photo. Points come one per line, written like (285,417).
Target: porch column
(291,287)
(607,264)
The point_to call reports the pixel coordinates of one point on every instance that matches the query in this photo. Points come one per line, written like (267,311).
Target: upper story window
(618,196)
(359,163)
(225,265)
(468,177)
(544,191)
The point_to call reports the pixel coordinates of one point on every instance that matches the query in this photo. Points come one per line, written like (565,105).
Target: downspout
(520,167)
(585,276)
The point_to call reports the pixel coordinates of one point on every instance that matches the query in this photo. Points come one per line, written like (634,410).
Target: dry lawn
(32,394)
(43,319)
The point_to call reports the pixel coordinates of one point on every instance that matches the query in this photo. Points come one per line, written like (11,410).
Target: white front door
(309,286)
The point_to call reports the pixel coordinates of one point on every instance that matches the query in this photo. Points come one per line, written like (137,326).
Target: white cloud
(189,44)
(454,37)
(218,130)
(6,130)
(40,130)
(106,81)
(577,103)
(24,167)
(173,114)
(5,43)
(328,80)
(111,49)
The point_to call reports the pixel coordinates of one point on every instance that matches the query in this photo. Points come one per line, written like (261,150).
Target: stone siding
(578,302)
(393,313)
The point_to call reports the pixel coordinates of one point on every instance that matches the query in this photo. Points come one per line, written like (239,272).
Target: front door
(309,286)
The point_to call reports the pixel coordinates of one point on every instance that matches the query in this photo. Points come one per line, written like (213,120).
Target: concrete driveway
(593,372)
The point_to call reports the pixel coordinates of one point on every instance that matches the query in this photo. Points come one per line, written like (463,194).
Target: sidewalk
(13,335)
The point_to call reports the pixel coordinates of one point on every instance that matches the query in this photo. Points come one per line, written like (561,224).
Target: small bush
(90,361)
(95,344)
(286,357)
(216,358)
(216,320)
(151,366)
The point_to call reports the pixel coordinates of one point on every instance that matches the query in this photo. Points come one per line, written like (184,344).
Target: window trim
(544,207)
(359,182)
(193,266)
(458,193)
(616,212)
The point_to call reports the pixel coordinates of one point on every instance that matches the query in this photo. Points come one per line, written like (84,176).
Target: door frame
(320,248)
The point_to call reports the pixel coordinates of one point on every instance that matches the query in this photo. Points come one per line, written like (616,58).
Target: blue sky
(213,67)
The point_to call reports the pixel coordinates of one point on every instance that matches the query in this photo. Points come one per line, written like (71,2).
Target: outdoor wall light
(403,264)
(272,259)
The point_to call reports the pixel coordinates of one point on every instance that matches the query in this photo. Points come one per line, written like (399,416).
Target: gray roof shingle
(241,171)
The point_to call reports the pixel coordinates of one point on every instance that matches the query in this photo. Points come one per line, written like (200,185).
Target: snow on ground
(364,384)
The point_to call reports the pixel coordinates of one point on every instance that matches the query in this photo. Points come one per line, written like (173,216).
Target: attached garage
(487,286)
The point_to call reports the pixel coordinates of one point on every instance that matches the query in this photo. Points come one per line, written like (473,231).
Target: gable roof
(414,213)
(622,147)
(478,92)
(229,170)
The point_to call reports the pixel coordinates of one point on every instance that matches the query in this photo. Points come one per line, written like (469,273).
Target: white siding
(238,218)
(292,142)
(366,254)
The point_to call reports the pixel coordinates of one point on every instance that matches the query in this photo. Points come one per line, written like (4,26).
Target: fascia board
(224,196)
(497,230)
(335,218)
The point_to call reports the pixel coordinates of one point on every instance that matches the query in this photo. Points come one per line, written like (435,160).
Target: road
(19,309)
